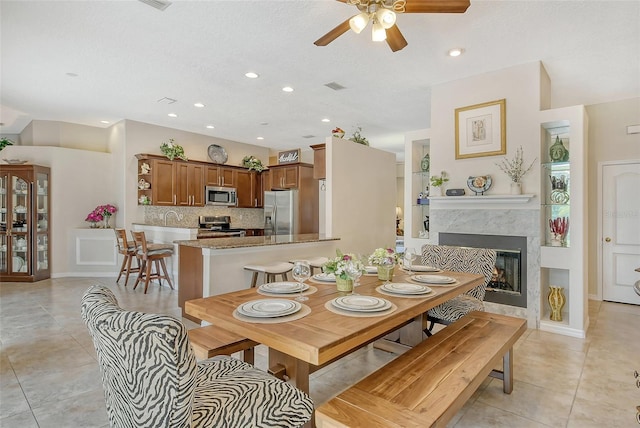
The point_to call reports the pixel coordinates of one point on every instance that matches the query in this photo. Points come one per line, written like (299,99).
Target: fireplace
(508,284)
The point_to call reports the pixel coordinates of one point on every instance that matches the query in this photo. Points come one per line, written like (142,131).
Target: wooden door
(291,177)
(620,232)
(163,182)
(245,186)
(212,176)
(277,178)
(196,184)
(228,177)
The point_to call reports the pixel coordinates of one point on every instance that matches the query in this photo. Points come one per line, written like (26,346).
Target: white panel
(627,214)
(624,272)
(96,251)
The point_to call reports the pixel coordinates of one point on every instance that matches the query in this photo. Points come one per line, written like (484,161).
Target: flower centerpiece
(252,162)
(337,132)
(172,150)
(101,213)
(515,170)
(439,180)
(385,259)
(338,267)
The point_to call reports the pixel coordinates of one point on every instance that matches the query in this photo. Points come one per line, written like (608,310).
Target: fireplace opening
(508,283)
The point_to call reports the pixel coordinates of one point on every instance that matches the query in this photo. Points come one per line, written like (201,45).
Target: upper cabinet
(319,161)
(249,189)
(292,176)
(221,176)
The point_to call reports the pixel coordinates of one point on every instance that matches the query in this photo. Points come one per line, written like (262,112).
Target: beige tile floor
(49,377)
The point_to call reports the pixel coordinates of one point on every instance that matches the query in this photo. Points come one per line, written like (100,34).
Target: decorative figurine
(558,152)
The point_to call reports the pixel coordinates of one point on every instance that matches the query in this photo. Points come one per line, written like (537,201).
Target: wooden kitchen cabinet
(290,176)
(25,223)
(162,182)
(221,176)
(319,161)
(249,187)
(189,184)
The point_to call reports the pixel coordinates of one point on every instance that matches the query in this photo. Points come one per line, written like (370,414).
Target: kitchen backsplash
(243,218)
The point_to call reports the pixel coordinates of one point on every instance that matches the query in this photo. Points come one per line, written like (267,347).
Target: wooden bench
(427,385)
(212,340)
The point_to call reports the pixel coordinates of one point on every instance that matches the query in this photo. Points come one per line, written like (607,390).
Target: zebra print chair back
(151,378)
(473,260)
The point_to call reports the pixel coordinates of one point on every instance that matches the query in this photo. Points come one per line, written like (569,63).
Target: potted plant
(385,259)
(337,132)
(357,137)
(172,150)
(338,267)
(5,142)
(253,163)
(439,181)
(515,170)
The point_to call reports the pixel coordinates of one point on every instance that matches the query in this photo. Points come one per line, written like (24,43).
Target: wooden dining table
(323,336)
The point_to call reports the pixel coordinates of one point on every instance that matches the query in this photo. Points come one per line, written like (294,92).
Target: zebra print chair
(151,379)
(461,259)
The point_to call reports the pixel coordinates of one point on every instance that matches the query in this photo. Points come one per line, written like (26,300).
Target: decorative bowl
(15,161)
(338,134)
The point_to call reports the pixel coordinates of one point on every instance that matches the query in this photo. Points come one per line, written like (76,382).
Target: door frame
(600,218)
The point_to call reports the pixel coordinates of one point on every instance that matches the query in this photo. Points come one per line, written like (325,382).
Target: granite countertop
(254,241)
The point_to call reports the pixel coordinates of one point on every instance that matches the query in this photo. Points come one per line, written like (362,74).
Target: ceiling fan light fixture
(386,18)
(378,33)
(359,22)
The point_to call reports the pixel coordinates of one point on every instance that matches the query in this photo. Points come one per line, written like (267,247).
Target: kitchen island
(209,267)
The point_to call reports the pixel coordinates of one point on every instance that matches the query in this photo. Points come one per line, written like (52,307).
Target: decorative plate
(479,184)
(15,161)
(217,153)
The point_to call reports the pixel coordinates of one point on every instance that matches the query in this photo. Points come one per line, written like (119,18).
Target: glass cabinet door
(4,265)
(42,220)
(20,214)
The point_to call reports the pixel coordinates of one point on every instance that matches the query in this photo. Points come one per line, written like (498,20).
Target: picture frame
(289,156)
(481,130)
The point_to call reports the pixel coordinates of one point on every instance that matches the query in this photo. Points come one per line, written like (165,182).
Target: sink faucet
(178,216)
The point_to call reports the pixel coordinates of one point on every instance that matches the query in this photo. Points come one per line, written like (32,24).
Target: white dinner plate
(283,287)
(359,303)
(18,263)
(371,269)
(421,268)
(406,288)
(326,277)
(433,279)
(269,308)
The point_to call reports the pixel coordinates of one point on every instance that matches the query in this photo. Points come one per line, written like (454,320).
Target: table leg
(297,372)
(411,334)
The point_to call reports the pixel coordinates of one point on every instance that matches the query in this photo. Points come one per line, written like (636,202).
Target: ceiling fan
(382,14)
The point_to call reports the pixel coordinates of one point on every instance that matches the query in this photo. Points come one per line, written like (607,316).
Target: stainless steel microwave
(225,196)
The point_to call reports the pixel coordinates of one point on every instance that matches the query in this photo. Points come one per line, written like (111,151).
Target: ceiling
(125,56)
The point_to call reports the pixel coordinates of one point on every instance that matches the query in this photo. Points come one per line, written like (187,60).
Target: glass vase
(556,302)
(106,219)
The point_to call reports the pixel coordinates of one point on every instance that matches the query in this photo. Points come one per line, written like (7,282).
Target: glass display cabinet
(25,222)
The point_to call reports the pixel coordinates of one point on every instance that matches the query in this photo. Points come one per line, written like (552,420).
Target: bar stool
(314,262)
(147,257)
(128,251)
(270,271)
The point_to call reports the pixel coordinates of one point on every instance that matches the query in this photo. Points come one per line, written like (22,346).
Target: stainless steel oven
(225,196)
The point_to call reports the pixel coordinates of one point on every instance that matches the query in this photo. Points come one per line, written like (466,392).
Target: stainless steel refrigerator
(281,213)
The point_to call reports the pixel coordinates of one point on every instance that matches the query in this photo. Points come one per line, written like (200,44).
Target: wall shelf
(487,199)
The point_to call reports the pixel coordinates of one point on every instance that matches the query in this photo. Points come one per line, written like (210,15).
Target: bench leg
(248,356)
(507,367)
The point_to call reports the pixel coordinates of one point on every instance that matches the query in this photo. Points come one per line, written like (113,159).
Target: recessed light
(105,121)
(199,105)
(260,138)
(455,52)
(172,115)
(210,126)
(287,89)
(326,120)
(251,75)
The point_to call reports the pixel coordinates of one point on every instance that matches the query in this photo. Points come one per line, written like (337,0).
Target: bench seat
(429,384)
(212,340)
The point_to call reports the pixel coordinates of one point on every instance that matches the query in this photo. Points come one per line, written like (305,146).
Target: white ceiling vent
(167,100)
(158,4)
(308,136)
(335,86)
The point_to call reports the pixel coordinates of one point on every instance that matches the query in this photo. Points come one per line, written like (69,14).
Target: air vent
(308,136)
(158,4)
(167,100)
(335,86)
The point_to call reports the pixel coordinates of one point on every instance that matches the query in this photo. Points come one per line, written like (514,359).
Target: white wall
(360,196)
(608,141)
(80,181)
(63,134)
(521,86)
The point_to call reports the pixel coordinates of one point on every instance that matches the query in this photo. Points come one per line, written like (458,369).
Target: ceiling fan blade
(436,6)
(395,39)
(333,34)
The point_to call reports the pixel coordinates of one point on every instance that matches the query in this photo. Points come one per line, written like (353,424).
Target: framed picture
(481,130)
(290,156)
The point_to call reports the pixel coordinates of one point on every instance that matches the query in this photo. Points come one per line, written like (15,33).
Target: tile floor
(49,377)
